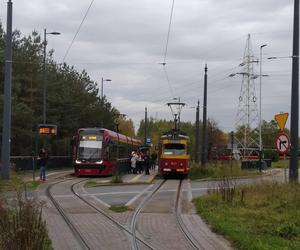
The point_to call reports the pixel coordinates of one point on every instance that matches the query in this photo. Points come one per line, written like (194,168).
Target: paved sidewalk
(140,178)
(28,175)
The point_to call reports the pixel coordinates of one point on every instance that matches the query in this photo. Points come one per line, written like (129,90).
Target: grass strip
(119,208)
(219,170)
(265,216)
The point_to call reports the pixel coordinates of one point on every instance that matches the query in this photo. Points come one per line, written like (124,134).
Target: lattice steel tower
(247,119)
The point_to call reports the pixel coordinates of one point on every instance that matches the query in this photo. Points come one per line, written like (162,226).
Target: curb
(270,173)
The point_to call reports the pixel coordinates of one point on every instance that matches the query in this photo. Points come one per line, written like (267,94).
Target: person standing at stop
(147,163)
(42,163)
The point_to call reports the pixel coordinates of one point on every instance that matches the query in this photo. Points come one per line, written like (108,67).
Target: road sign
(281,120)
(283,143)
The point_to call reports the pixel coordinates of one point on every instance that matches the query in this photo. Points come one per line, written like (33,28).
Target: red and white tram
(101,152)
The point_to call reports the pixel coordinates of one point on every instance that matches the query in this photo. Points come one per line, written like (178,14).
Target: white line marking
(101,201)
(138,196)
(190,195)
(135,178)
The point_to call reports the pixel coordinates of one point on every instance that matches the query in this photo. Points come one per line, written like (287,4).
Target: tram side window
(113,152)
(122,151)
(174,149)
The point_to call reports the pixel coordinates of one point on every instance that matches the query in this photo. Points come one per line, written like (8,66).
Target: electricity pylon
(247,118)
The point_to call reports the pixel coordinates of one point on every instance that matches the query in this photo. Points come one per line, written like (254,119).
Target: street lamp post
(294,172)
(103,80)
(45,74)
(6,129)
(260,79)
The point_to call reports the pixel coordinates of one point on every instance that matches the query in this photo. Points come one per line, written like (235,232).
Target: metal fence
(30,162)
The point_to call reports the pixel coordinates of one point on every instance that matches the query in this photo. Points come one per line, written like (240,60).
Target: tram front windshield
(90,147)
(174,149)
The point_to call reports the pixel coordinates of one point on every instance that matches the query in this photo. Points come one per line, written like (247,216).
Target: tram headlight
(166,164)
(77,161)
(99,162)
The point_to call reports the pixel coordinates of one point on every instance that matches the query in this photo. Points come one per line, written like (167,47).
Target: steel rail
(79,237)
(137,212)
(189,237)
(118,224)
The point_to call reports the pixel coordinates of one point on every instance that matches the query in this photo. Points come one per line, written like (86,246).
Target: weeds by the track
(219,170)
(119,208)
(21,223)
(262,216)
(117,178)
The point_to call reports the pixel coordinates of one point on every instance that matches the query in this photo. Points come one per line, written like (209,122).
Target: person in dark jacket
(153,160)
(42,163)
(147,163)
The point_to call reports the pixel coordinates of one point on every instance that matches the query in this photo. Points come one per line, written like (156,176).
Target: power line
(166,50)
(167,77)
(78,29)
(168,34)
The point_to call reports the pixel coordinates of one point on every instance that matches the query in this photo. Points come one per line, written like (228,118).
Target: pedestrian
(139,164)
(153,160)
(42,163)
(147,163)
(133,162)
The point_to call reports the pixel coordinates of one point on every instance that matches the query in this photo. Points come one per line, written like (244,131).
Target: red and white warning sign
(283,143)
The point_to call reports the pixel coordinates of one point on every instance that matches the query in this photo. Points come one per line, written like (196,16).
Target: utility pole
(7,96)
(231,142)
(145,139)
(102,81)
(45,74)
(260,85)
(293,171)
(197,134)
(44,79)
(204,132)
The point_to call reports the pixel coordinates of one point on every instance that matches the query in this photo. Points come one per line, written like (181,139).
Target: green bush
(270,154)
(287,231)
(199,172)
(22,226)
(218,170)
(21,223)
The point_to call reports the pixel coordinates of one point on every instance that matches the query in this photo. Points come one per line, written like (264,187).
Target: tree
(72,101)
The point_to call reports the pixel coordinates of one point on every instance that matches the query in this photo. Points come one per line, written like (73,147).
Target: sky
(125,41)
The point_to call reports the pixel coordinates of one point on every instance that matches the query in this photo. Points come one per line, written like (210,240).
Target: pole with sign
(283,142)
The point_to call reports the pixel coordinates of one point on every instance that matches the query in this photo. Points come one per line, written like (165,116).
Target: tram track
(110,218)
(189,237)
(137,241)
(137,212)
(83,242)
(194,244)
(78,236)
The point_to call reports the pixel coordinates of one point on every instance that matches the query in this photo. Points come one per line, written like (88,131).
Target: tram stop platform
(126,178)
(140,178)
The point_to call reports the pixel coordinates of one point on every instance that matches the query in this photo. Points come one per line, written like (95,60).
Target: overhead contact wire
(168,35)
(166,50)
(78,29)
